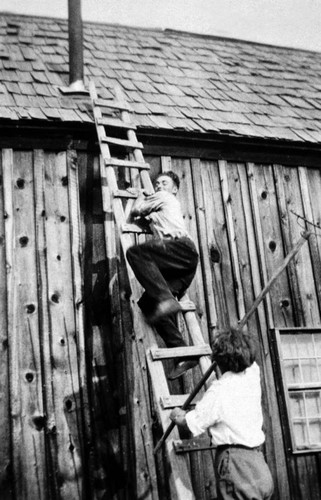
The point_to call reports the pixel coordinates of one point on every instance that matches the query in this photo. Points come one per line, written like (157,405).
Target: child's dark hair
(172,176)
(233,350)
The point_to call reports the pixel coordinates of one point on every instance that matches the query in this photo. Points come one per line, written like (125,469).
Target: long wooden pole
(304,237)
(190,398)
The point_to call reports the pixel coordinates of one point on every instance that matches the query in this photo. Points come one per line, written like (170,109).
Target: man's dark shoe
(182,367)
(164,308)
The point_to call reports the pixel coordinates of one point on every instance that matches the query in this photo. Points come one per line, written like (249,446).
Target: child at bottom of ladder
(231,410)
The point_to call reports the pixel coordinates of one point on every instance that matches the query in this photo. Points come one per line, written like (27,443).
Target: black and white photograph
(160,250)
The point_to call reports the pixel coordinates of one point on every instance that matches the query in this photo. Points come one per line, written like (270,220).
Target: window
(299,355)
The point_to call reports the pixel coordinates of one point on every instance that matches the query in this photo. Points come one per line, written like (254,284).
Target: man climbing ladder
(166,265)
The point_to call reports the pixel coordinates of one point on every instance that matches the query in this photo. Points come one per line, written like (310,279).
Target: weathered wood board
(44,324)
(54,429)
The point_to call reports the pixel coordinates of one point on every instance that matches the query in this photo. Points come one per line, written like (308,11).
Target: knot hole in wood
(20,183)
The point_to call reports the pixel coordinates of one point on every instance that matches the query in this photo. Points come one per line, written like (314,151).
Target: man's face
(165,183)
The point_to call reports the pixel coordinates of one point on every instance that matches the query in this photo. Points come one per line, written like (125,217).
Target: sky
(290,23)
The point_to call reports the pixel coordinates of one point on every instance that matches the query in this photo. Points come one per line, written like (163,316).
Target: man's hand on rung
(138,191)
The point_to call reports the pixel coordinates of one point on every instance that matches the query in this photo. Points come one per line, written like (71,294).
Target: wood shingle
(174,80)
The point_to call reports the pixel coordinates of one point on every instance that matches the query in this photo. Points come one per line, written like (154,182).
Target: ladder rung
(122,142)
(133,228)
(195,444)
(123,193)
(175,400)
(104,103)
(187,305)
(114,162)
(193,351)
(116,123)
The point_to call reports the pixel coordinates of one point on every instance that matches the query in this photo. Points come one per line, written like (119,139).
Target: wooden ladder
(112,119)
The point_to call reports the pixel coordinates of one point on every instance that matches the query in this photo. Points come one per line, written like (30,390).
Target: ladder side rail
(179,475)
(195,334)
(197,339)
(138,155)
(135,181)
(104,149)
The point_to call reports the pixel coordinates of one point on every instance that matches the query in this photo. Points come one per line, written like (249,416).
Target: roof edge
(164,30)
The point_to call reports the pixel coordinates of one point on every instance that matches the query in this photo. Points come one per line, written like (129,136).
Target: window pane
(317,343)
(313,404)
(292,371)
(300,433)
(315,432)
(305,345)
(297,404)
(289,347)
(300,356)
(309,370)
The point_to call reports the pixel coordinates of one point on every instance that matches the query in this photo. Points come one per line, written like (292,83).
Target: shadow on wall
(108,409)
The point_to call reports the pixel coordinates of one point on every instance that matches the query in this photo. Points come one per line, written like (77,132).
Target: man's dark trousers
(165,268)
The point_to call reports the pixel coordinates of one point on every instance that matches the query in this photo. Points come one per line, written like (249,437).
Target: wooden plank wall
(248,211)
(65,385)
(44,404)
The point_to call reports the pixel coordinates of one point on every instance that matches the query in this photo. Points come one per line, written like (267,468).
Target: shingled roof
(173,80)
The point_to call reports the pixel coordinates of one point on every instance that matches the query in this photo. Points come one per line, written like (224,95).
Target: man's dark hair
(233,350)
(172,175)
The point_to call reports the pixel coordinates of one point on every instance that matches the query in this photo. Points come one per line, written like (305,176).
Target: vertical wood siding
(43,325)
(5,447)
(67,387)
(248,212)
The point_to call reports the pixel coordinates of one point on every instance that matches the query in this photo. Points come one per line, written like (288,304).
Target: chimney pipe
(76,58)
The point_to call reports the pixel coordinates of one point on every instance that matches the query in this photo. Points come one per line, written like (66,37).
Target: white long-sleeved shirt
(231,410)
(163,210)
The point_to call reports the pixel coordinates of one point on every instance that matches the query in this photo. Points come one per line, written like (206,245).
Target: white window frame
(287,388)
